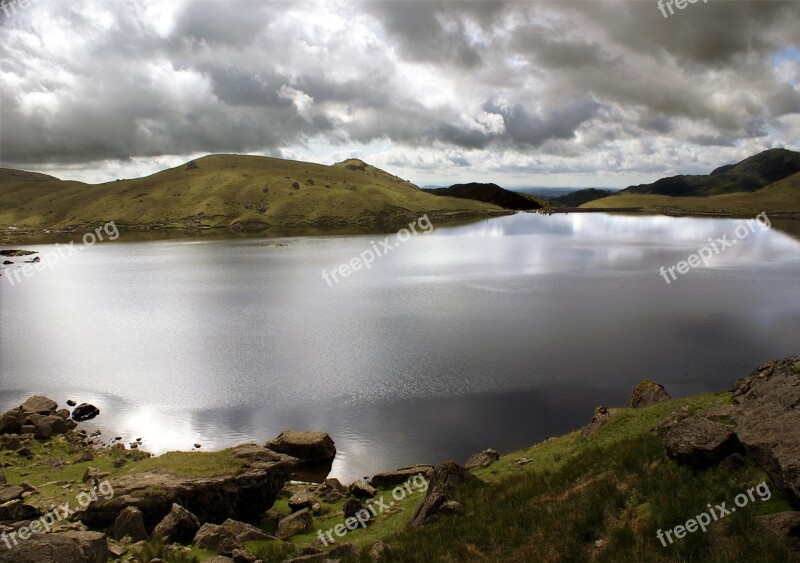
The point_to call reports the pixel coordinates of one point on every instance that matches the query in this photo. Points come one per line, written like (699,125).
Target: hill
(244,193)
(781,197)
(750,175)
(490,193)
(578,198)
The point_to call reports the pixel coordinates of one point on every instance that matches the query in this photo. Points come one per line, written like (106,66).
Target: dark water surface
(497,334)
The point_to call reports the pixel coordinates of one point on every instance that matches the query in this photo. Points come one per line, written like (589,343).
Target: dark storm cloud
(88,80)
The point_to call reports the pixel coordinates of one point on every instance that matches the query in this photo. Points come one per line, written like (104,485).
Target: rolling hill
(242,193)
(492,194)
(768,181)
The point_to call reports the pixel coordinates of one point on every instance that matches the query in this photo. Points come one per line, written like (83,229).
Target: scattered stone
(179,526)
(648,393)
(305,446)
(336,485)
(130,522)
(217,539)
(244,556)
(522,461)
(701,442)
(71,403)
(86,455)
(392,479)
(10,441)
(63,414)
(84,412)
(9,493)
(362,489)
(118,551)
(332,497)
(298,523)
(16,511)
(353,506)
(445,478)
(245,532)
(482,460)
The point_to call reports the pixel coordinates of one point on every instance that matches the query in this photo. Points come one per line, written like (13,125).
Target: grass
(781,197)
(615,487)
(190,464)
(229,191)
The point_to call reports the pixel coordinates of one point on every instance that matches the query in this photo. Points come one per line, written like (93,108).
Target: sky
(570,93)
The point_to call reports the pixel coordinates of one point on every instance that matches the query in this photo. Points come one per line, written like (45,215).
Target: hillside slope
(753,173)
(228,191)
(490,193)
(781,197)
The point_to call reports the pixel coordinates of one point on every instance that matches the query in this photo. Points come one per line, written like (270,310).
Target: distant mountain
(230,191)
(576,199)
(749,175)
(490,193)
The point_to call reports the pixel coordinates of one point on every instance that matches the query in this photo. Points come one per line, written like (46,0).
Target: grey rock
(298,523)
(446,477)
(392,479)
(700,442)
(245,532)
(648,393)
(217,539)
(179,526)
(130,522)
(482,459)
(60,547)
(305,446)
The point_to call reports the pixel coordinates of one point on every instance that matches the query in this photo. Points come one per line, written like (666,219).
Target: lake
(494,334)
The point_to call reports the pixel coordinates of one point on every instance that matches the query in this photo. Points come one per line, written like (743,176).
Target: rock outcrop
(437,501)
(241,494)
(308,447)
(482,459)
(38,416)
(61,547)
(700,441)
(217,539)
(179,526)
(648,393)
(392,479)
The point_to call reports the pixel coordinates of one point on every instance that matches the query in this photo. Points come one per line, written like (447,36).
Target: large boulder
(11,421)
(17,510)
(308,447)
(40,405)
(392,479)
(9,493)
(482,459)
(437,502)
(217,539)
(130,522)
(179,526)
(62,547)
(699,441)
(768,421)
(241,494)
(648,393)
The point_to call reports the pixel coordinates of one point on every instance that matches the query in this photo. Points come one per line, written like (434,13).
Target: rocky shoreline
(221,502)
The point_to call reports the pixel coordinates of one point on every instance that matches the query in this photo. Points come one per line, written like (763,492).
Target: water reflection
(494,334)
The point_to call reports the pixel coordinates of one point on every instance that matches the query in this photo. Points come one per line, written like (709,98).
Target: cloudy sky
(569,93)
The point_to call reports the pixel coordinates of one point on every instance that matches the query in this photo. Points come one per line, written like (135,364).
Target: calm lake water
(496,334)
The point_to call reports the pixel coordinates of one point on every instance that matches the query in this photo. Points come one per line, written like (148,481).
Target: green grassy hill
(781,197)
(245,193)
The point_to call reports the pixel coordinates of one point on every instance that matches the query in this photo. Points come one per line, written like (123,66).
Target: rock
(332,497)
(60,547)
(600,417)
(130,522)
(28,429)
(699,441)
(245,532)
(71,403)
(767,417)
(16,511)
(298,523)
(84,412)
(648,393)
(299,501)
(451,507)
(673,419)
(7,262)
(11,422)
(732,462)
(117,551)
(445,478)
(377,552)
(353,506)
(391,479)
(40,405)
(361,489)
(305,446)
(483,459)
(179,526)
(242,494)
(85,456)
(273,517)
(217,539)
(244,556)
(785,525)
(63,414)
(10,441)
(336,485)
(9,493)
(256,453)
